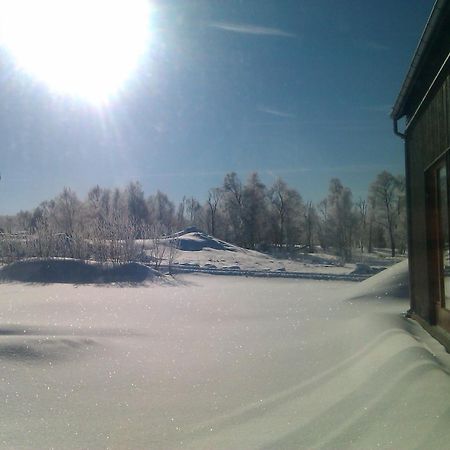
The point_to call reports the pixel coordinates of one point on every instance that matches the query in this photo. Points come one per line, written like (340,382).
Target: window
(444,252)
(438,242)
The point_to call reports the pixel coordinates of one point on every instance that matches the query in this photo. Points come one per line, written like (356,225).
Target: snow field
(219,362)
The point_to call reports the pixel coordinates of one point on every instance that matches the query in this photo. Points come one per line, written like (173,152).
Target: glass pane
(444,241)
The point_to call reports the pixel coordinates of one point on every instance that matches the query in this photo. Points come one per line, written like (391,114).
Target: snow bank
(392,282)
(198,249)
(193,239)
(74,271)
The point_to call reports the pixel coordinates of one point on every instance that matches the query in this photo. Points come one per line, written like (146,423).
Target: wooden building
(423,108)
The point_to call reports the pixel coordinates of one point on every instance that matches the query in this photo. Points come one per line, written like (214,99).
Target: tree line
(109,223)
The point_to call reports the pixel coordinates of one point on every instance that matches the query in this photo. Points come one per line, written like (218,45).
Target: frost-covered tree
(24,221)
(338,220)
(288,209)
(181,221)
(254,210)
(194,212)
(98,205)
(212,204)
(311,224)
(137,209)
(98,222)
(233,208)
(324,231)
(161,210)
(67,212)
(361,213)
(387,194)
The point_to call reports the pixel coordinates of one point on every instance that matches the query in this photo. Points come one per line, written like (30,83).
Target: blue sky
(300,89)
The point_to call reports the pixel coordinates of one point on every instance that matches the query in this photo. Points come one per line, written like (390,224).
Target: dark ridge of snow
(75,271)
(31,350)
(279,273)
(362,268)
(192,239)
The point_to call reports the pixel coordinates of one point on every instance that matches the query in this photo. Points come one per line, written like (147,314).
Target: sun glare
(83,48)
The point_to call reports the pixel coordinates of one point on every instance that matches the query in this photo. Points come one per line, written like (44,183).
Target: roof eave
(398,110)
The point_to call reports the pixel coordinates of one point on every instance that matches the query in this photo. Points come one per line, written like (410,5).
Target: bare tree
(173,252)
(233,207)
(289,209)
(311,221)
(338,220)
(254,210)
(136,205)
(324,231)
(24,221)
(214,197)
(386,194)
(181,219)
(194,212)
(66,211)
(159,247)
(361,212)
(161,210)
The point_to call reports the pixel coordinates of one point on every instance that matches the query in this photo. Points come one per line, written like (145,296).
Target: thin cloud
(194,173)
(275,173)
(343,125)
(386,108)
(244,28)
(358,168)
(276,112)
(371,45)
(344,169)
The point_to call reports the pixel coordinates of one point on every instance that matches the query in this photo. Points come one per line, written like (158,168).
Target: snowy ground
(197,249)
(219,362)
(253,260)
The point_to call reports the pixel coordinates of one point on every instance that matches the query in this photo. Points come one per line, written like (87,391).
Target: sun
(82,48)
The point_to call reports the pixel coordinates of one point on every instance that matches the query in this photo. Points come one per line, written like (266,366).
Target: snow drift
(200,250)
(192,239)
(74,271)
(391,283)
(221,363)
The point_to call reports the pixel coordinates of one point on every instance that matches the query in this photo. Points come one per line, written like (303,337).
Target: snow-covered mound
(392,282)
(198,249)
(74,271)
(193,239)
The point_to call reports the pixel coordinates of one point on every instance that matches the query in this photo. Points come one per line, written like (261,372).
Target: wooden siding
(427,140)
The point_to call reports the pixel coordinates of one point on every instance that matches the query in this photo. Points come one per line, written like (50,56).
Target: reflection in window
(444,241)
